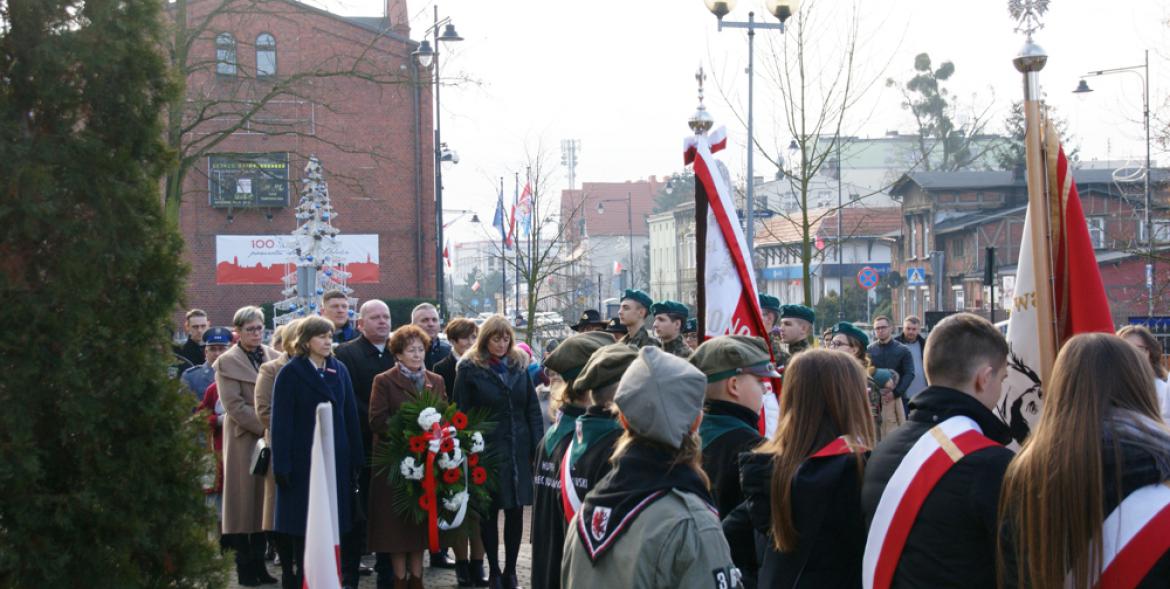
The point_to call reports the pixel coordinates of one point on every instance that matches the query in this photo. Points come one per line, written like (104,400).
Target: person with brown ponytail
(1086,501)
(803,487)
(1140,337)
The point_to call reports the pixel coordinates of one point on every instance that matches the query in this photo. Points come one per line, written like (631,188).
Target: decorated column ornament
(316,251)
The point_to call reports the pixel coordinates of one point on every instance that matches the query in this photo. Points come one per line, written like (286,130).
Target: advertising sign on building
(248,180)
(265,259)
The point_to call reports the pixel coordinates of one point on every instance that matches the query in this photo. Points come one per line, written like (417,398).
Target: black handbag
(261,455)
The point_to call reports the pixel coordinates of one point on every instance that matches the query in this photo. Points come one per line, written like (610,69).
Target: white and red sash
(569,499)
(1135,536)
(927,461)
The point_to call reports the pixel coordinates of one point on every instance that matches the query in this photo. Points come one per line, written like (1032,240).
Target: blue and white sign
(915,276)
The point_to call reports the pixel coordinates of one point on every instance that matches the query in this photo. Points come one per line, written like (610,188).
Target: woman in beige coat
(243,494)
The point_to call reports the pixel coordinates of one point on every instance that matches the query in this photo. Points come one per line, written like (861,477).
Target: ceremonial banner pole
(1038,228)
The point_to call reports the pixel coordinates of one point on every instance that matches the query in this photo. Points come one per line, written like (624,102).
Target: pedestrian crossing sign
(915,276)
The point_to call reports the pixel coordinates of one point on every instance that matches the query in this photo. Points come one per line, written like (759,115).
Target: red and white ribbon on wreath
(435,437)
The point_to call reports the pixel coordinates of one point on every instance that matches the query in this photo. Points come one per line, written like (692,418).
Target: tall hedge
(99,470)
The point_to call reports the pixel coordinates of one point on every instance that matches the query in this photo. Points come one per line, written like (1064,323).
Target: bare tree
(217,106)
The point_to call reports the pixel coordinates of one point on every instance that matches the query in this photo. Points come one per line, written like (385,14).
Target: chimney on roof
(397,18)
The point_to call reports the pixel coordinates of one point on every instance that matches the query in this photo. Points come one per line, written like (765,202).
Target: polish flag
(1078,304)
(447,252)
(475,287)
(617,268)
(322,560)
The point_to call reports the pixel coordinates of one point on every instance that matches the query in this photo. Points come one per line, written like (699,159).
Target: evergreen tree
(99,483)
(317,264)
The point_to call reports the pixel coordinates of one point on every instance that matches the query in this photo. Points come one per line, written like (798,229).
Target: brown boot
(400,583)
(415,583)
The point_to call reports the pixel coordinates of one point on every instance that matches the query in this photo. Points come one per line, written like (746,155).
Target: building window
(265,56)
(1097,231)
(960,298)
(926,245)
(913,239)
(957,248)
(225,54)
(1161,231)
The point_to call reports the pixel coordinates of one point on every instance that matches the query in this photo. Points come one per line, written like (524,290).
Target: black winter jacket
(894,356)
(511,400)
(826,504)
(953,540)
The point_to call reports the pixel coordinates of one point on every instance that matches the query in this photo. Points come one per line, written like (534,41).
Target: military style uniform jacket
(548,516)
(640,339)
(677,347)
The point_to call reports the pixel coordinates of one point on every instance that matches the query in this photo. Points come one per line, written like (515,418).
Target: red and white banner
(927,461)
(265,259)
(1134,537)
(322,561)
(1079,303)
(728,277)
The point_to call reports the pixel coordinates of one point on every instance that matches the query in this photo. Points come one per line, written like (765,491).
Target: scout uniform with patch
(586,461)
(678,311)
(548,524)
(648,523)
(769,303)
(642,337)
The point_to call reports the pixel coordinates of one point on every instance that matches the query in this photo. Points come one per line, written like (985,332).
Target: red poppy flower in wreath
(447,445)
(479,475)
(459,420)
(473,460)
(418,444)
(425,501)
(451,476)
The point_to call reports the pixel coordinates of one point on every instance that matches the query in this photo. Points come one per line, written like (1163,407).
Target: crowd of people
(740,461)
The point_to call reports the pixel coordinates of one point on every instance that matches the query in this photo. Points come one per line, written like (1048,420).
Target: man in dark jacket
(365,358)
(952,540)
(887,353)
(912,338)
(196,323)
(426,316)
(335,307)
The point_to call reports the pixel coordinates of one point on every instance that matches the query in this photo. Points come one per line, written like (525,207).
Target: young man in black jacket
(887,353)
(955,471)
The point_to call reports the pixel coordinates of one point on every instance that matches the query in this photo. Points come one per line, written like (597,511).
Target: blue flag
(498,220)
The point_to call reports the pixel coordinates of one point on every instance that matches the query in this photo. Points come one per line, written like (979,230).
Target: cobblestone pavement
(437,578)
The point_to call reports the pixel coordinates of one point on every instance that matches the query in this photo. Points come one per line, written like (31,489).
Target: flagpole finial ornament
(701,120)
(1027,14)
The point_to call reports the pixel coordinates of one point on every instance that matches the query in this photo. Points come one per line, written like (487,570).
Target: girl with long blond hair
(803,487)
(1100,441)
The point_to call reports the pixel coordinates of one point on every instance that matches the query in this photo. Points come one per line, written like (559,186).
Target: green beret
(728,355)
(670,308)
(691,326)
(639,297)
(881,376)
(769,302)
(570,356)
(798,312)
(850,330)
(605,367)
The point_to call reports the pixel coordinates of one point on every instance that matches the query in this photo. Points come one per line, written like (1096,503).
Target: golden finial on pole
(701,120)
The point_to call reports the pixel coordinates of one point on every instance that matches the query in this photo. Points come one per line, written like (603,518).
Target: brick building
(950,218)
(345,89)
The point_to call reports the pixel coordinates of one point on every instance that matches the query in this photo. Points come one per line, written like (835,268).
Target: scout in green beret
(796,325)
(770,308)
(691,333)
(634,308)
(568,360)
(669,318)
(850,331)
(586,460)
(736,367)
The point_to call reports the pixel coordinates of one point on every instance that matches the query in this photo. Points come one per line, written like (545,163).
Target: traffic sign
(867,278)
(915,276)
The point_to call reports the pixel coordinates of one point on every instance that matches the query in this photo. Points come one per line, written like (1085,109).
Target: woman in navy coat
(493,375)
(311,377)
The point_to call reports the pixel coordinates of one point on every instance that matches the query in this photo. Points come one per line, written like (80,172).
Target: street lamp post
(781,9)
(629,226)
(428,56)
(1082,88)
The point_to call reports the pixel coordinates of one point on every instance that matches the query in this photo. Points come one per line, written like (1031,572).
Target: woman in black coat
(803,487)
(493,375)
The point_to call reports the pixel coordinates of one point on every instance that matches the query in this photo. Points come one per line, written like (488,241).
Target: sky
(619,77)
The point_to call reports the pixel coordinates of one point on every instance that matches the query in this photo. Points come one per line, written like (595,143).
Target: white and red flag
(728,303)
(475,286)
(322,561)
(1078,302)
(617,268)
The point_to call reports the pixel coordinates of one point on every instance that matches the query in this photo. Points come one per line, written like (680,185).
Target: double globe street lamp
(427,56)
(781,9)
